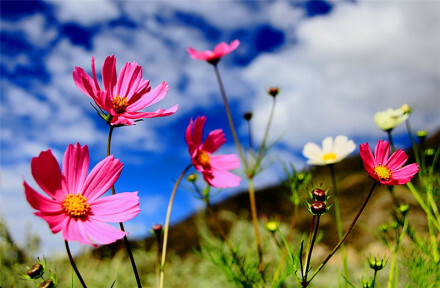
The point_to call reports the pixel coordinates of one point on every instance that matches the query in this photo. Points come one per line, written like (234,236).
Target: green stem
(74,265)
(309,253)
(413,142)
(392,268)
(158,260)
(423,205)
(338,220)
(255,222)
(346,233)
(266,133)
(229,115)
(167,226)
(121,225)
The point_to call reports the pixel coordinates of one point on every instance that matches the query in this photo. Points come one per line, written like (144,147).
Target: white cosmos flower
(390,118)
(332,151)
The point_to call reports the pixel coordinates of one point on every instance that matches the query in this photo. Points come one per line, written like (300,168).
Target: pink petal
(188,135)
(224,162)
(75,230)
(101,178)
(84,82)
(102,233)
(203,55)
(404,174)
(121,120)
(221,179)
(142,89)
(381,152)
(128,80)
(223,48)
(397,160)
(56,221)
(39,202)
(155,114)
(109,74)
(214,140)
(151,98)
(197,130)
(75,167)
(367,158)
(47,173)
(120,207)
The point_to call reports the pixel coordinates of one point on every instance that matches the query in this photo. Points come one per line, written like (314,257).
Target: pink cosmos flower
(214,56)
(214,168)
(73,206)
(124,96)
(384,169)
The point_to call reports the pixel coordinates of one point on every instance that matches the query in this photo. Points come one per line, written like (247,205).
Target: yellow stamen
(202,158)
(328,157)
(383,172)
(76,206)
(120,104)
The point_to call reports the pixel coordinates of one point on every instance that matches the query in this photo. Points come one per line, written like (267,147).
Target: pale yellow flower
(390,118)
(332,151)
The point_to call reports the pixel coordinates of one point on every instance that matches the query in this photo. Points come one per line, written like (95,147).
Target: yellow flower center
(120,104)
(76,206)
(202,158)
(382,172)
(328,157)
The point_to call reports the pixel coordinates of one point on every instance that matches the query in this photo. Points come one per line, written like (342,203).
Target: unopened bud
(247,116)
(36,271)
(319,194)
(367,284)
(403,209)
(272,226)
(192,177)
(273,91)
(318,208)
(422,134)
(383,228)
(49,283)
(377,265)
(157,229)
(406,109)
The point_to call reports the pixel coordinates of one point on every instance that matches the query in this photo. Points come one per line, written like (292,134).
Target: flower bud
(192,177)
(406,109)
(247,116)
(366,284)
(422,134)
(383,228)
(319,194)
(318,208)
(377,265)
(36,271)
(49,283)
(403,209)
(157,229)
(273,91)
(272,226)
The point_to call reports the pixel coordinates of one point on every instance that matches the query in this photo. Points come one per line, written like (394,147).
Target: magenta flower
(214,168)
(124,96)
(214,56)
(384,169)
(73,206)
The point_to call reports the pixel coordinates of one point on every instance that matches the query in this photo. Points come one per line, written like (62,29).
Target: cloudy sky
(337,63)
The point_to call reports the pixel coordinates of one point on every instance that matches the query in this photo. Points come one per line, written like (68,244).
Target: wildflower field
(358,213)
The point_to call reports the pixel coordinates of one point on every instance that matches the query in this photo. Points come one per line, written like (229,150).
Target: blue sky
(336,62)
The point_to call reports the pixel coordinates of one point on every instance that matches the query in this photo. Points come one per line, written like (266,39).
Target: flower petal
(404,174)
(381,152)
(75,167)
(214,140)
(128,80)
(47,174)
(367,158)
(56,221)
(101,178)
(149,99)
(75,230)
(155,114)
(314,153)
(221,178)
(327,145)
(39,202)
(224,162)
(85,83)
(120,207)
(396,160)
(199,55)
(102,233)
(109,74)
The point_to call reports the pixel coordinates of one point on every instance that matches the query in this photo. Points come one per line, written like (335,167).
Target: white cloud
(360,59)
(85,12)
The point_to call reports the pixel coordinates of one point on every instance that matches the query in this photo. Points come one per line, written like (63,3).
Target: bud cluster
(319,205)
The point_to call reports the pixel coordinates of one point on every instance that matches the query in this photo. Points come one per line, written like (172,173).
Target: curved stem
(346,233)
(312,243)
(167,226)
(266,132)
(338,220)
(228,114)
(121,225)
(74,265)
(255,222)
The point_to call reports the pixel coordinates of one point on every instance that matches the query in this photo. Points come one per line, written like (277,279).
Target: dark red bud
(35,271)
(47,284)
(318,207)
(319,194)
(273,91)
(247,116)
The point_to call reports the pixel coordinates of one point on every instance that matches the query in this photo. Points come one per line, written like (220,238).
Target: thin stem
(158,259)
(121,225)
(346,233)
(338,220)
(167,226)
(374,278)
(312,243)
(255,222)
(74,265)
(413,142)
(391,140)
(423,205)
(266,132)
(392,268)
(251,145)
(228,114)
